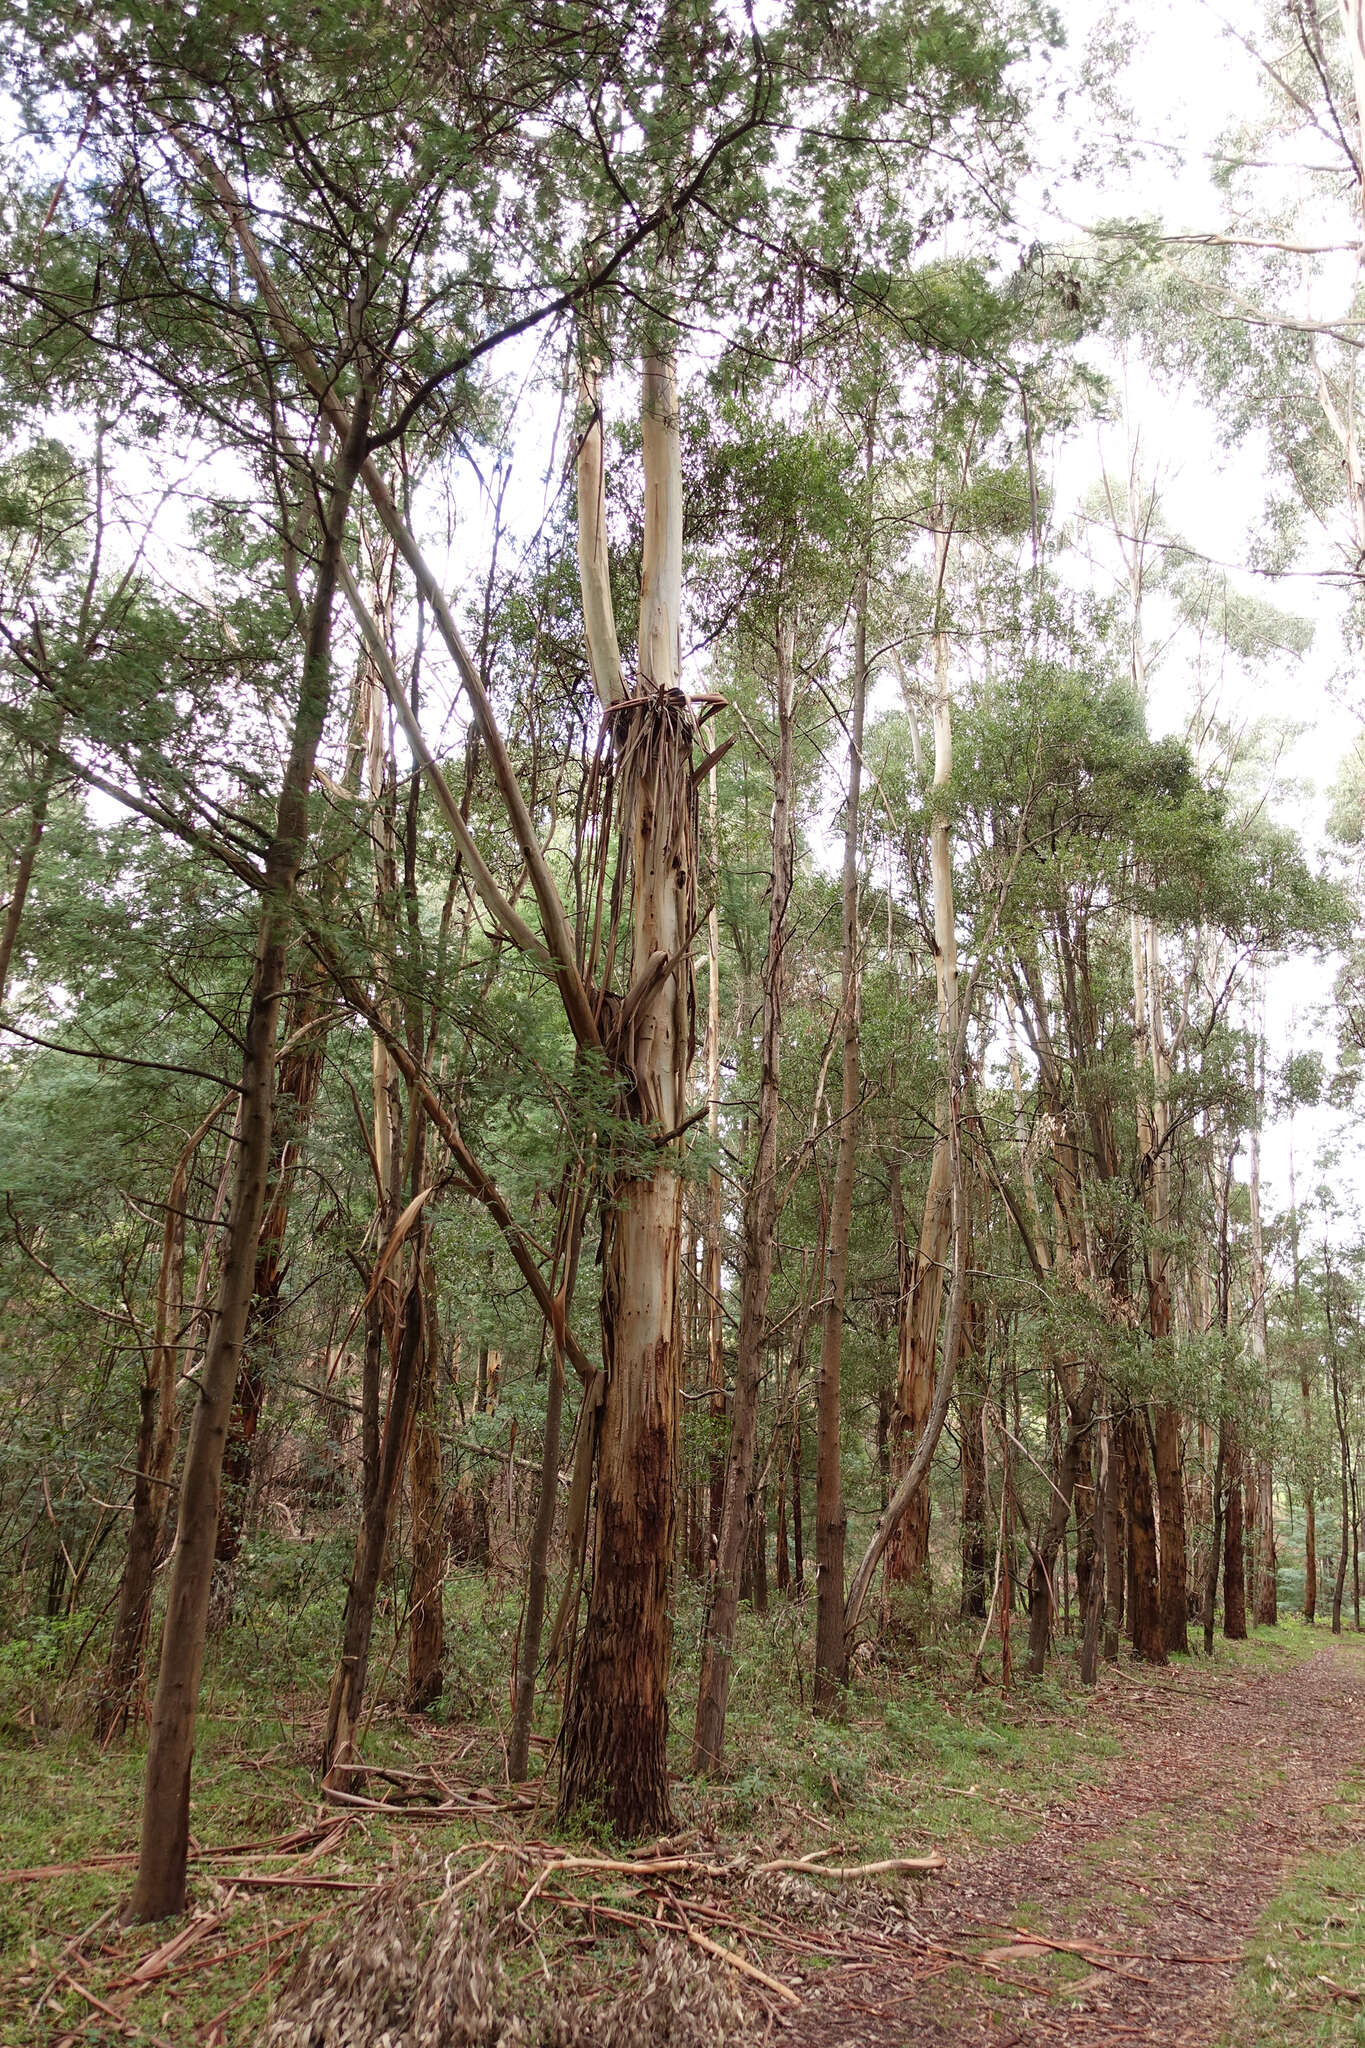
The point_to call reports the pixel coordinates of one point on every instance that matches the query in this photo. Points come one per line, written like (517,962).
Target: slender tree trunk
(921,1277)
(159,1886)
(970,1403)
(1080,1413)
(1265,1603)
(798,1478)
(1092,1624)
(616,1716)
(782,1561)
(1234,1563)
(1216,1541)
(713,1237)
(28,852)
(339,1748)
(831,1646)
(542,1533)
(1170,1493)
(1343,1547)
(1113,1547)
(295,1091)
(760,1231)
(1148,1632)
(426,1609)
(156,1439)
(759,1550)
(538,1579)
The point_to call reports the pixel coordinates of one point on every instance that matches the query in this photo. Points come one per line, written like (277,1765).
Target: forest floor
(1209,1889)
(1176,1857)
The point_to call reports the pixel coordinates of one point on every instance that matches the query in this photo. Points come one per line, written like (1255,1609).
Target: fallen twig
(893,1866)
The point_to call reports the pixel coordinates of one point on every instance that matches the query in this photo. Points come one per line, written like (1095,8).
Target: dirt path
(1157,1879)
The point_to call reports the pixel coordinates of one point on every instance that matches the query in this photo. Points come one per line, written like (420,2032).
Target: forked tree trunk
(159,1886)
(616,1715)
(155,1455)
(760,1232)
(831,1642)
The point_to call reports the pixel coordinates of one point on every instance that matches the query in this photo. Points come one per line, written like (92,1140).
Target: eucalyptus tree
(782,499)
(311,248)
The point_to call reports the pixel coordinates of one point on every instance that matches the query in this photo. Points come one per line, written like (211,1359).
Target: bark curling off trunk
(616,1716)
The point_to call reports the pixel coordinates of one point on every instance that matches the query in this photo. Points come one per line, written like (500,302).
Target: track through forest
(1127,1916)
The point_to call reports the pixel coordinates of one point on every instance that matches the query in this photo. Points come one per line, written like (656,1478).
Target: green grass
(1314,1930)
(921,1757)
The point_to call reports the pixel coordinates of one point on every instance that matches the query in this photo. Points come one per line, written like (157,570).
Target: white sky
(1188,81)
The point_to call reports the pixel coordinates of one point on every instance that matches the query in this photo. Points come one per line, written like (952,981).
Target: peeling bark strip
(616,1715)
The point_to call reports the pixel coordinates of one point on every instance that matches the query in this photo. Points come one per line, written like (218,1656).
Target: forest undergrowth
(454,1909)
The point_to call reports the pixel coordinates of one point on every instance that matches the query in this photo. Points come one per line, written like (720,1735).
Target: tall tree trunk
(1092,1624)
(159,1886)
(970,1402)
(616,1715)
(760,1232)
(426,1608)
(542,1533)
(1344,1454)
(921,1277)
(1148,1632)
(1113,1546)
(1216,1540)
(296,1086)
(155,1454)
(713,1236)
(1265,1607)
(1170,1493)
(339,1744)
(1234,1563)
(28,853)
(831,1644)
(1080,1405)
